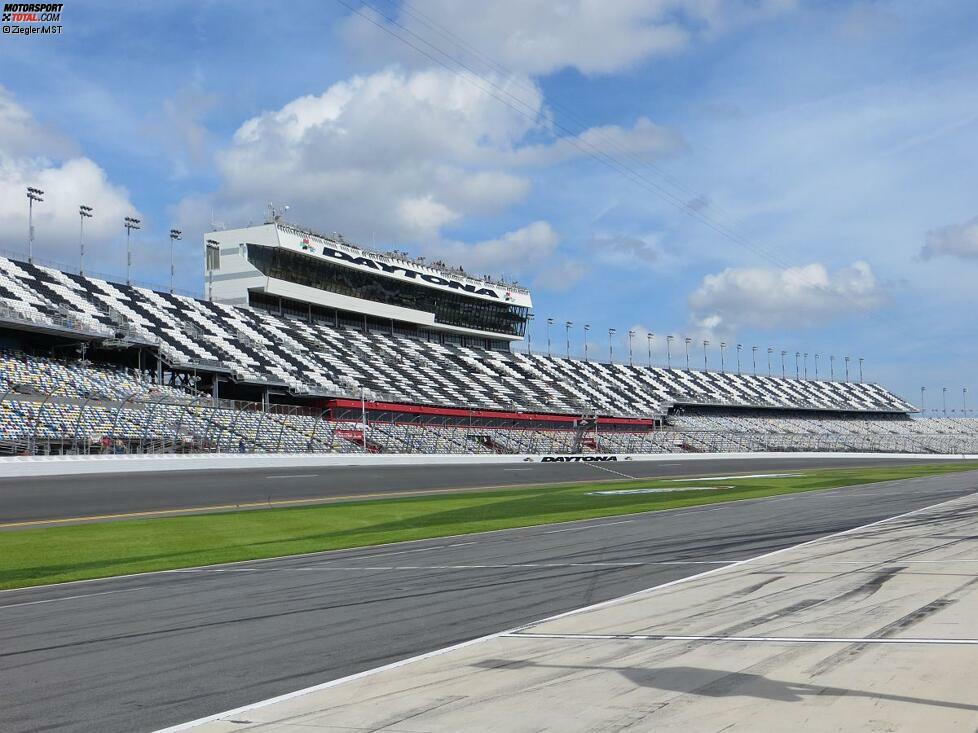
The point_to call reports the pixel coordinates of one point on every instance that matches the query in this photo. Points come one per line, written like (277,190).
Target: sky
(791,175)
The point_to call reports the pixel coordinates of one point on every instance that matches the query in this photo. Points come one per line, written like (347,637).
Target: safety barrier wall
(108,464)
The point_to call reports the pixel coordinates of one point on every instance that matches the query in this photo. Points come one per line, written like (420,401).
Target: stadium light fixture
(688,342)
(723,346)
(611,346)
(669,340)
(816,367)
(84,212)
(847,369)
(33,194)
(861,369)
(567,328)
(753,356)
(175,234)
(783,354)
(705,364)
(770,350)
(831,367)
(805,362)
(529,319)
(740,347)
(550,322)
(650,336)
(130,224)
(631,335)
(797,368)
(587,327)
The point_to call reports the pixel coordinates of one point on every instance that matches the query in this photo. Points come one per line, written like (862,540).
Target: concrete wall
(73,465)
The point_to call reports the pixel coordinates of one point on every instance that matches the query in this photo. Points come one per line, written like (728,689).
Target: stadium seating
(318,358)
(52,405)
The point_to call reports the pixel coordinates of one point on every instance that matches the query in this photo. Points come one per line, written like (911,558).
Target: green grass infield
(76,552)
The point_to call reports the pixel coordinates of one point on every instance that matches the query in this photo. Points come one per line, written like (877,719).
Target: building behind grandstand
(307,342)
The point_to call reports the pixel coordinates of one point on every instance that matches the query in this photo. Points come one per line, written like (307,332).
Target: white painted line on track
(751,475)
(763,639)
(73,598)
(590,526)
(517,469)
(490,637)
(484,566)
(609,470)
(292,475)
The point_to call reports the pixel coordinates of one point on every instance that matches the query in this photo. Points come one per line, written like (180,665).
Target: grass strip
(58,554)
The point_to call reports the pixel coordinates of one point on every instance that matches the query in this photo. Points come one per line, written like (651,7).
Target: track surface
(139,653)
(61,497)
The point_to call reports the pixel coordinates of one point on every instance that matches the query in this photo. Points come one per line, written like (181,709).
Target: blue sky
(833,144)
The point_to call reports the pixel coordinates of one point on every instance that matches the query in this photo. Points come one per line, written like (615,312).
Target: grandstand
(357,364)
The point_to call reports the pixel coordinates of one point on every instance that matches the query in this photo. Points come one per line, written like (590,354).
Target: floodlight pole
(567,328)
(723,346)
(705,364)
(174,236)
(688,342)
(33,194)
(650,337)
(611,346)
(831,367)
(740,347)
(847,369)
(550,322)
(797,368)
(753,357)
(816,367)
(861,370)
(130,224)
(631,335)
(669,340)
(529,319)
(783,354)
(84,212)
(770,350)
(806,365)
(587,327)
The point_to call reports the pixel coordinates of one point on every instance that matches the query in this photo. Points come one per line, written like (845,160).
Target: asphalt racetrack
(63,497)
(148,651)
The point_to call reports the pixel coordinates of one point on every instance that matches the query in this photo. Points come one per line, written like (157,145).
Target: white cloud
(542,36)
(517,254)
(644,141)
(66,183)
(792,297)
(397,155)
(530,254)
(21,135)
(954,240)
